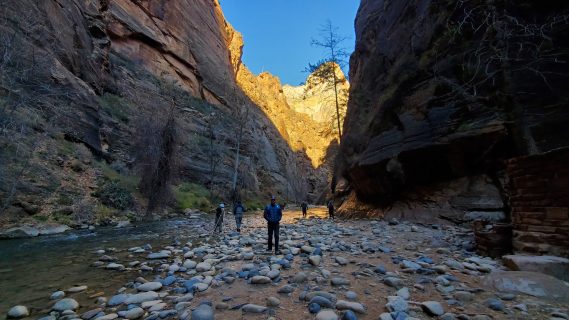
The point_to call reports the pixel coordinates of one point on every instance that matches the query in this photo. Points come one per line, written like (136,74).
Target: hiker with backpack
(238,211)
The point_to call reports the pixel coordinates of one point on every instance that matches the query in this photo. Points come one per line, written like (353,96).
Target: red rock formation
(439,92)
(93,67)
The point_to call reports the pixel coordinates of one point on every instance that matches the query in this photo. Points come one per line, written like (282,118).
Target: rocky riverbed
(328,269)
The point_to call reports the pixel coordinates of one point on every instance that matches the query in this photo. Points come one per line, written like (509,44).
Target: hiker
(304,207)
(330,206)
(238,212)
(219,213)
(273,214)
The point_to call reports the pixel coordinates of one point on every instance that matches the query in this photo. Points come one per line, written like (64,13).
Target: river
(32,269)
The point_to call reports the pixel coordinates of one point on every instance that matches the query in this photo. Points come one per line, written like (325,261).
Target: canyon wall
(81,78)
(305,117)
(441,94)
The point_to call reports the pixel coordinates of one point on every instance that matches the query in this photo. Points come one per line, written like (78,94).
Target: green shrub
(129,182)
(115,106)
(191,195)
(114,195)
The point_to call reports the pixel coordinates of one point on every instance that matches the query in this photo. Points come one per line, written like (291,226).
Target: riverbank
(362,269)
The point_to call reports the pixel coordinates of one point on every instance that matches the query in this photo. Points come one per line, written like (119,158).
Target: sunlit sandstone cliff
(316,98)
(304,115)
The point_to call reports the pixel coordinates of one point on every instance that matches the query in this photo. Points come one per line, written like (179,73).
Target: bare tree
(334,58)
(215,150)
(242,117)
(157,145)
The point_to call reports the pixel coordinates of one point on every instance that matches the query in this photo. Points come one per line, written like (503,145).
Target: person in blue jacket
(273,214)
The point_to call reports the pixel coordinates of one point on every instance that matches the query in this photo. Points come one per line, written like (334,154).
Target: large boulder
(530,283)
(19,232)
(551,265)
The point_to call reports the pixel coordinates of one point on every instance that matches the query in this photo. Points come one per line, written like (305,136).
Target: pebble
(300,277)
(463,296)
(432,308)
(141,297)
(350,295)
(286,289)
(65,304)
(349,305)
(203,267)
(159,255)
(338,281)
(326,314)
(260,280)
(77,289)
(385,316)
(57,295)
(253,308)
(91,313)
(203,312)
(349,315)
(273,274)
(115,266)
(396,304)
(117,300)
(17,312)
(314,308)
(404,293)
(273,302)
(322,302)
(393,282)
(189,264)
(149,286)
(341,261)
(495,304)
(110,316)
(315,260)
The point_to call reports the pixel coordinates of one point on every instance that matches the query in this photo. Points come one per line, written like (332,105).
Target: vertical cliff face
(441,91)
(89,71)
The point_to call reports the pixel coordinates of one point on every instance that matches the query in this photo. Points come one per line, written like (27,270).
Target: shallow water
(32,269)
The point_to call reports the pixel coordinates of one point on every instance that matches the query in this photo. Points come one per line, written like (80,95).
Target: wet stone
(18,312)
(65,304)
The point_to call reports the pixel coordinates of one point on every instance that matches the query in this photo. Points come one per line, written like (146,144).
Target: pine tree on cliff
(334,58)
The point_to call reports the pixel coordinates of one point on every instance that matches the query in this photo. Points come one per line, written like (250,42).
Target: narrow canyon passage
(156,156)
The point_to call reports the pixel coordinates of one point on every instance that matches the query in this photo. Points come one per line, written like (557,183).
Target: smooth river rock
(141,297)
(350,305)
(149,286)
(327,314)
(433,308)
(18,312)
(65,304)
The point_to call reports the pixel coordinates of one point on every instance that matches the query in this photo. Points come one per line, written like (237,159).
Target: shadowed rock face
(83,54)
(439,92)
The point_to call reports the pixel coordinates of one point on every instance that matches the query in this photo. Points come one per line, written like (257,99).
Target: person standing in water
(304,207)
(273,214)
(238,211)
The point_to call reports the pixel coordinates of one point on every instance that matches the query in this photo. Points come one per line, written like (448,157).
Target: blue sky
(277,33)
